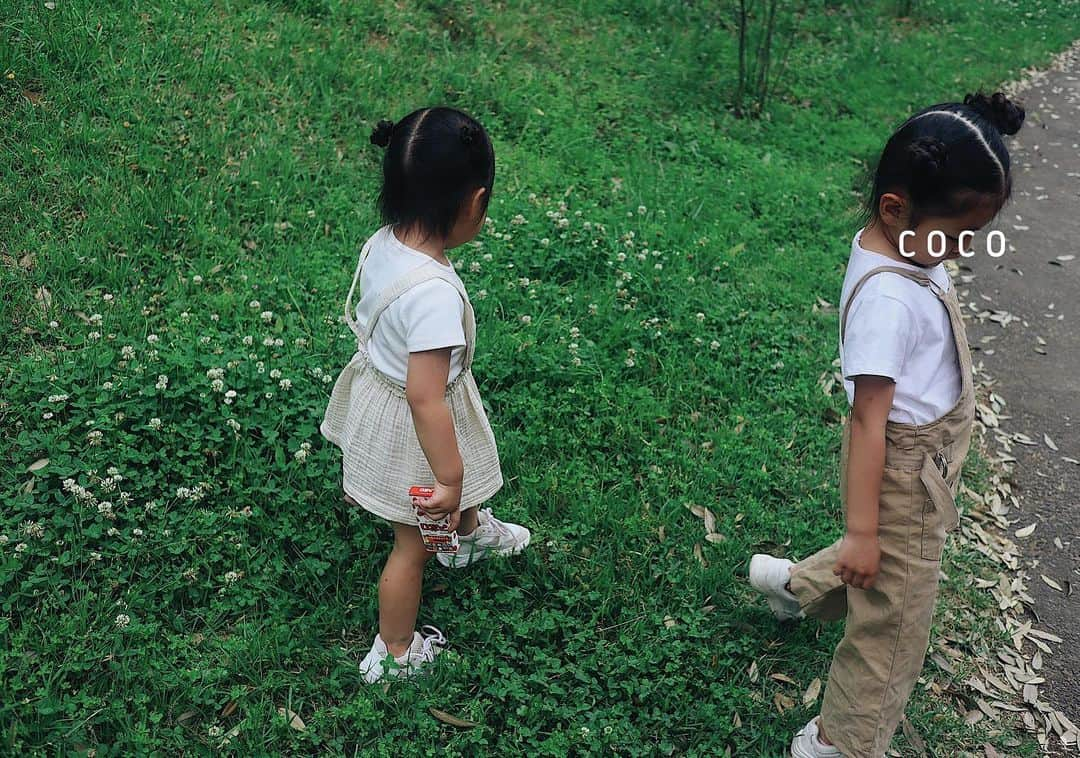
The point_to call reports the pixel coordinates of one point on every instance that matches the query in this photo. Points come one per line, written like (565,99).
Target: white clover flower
(95,556)
(714,345)
(113,532)
(700,316)
(197,279)
(268,395)
(4,539)
(481,294)
(232,577)
(127,352)
(300,455)
(593,309)
(267,316)
(214,732)
(162,382)
(47,415)
(641,209)
(285,384)
(234,425)
(518,220)
(300,342)
(95,319)
(153,339)
(122,620)
(57,398)
(545,242)
(94,336)
(155,423)
(217,385)
(474,267)
(137,532)
(254,305)
(563,223)
(94,437)
(488,257)
(268,341)
(279,342)
(21,547)
(260,367)
(658,266)
(229,396)
(54,324)
(249,340)
(526,320)
(33,529)
(275,374)
(215,373)
(107,386)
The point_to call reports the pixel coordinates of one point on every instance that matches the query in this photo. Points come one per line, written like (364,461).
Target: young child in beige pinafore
(406,410)
(907,371)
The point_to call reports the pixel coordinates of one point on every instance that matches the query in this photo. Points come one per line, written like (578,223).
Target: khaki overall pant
(877,663)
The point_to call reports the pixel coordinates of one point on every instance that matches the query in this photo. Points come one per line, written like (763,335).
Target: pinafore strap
(948,299)
(425,272)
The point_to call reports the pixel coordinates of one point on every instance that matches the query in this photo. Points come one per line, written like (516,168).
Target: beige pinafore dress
(369,418)
(878,661)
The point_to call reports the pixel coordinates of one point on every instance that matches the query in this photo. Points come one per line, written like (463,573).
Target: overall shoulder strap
(350,317)
(915,276)
(426,272)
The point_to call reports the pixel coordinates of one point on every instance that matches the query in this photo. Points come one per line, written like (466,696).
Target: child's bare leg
(399,589)
(468,522)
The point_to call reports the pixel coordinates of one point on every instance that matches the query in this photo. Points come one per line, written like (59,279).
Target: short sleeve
(431,316)
(881,332)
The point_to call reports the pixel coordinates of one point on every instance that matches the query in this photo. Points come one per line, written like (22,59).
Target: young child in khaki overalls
(907,369)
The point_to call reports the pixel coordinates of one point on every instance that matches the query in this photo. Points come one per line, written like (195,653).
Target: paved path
(1041,382)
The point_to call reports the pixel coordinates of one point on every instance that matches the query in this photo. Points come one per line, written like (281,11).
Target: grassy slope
(175,141)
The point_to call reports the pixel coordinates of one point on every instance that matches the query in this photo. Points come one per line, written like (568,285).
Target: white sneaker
(379,663)
(770,576)
(491,537)
(807,744)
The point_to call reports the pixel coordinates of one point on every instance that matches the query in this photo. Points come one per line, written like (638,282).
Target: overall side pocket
(939,514)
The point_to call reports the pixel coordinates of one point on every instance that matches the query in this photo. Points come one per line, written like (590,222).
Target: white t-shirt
(899,329)
(427,317)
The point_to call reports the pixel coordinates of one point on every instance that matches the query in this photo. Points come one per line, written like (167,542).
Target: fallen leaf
(783,702)
(913,736)
(37,465)
(811,695)
(452,720)
(1066,258)
(1051,583)
(1027,531)
(782,678)
(1049,442)
(294,720)
(229,709)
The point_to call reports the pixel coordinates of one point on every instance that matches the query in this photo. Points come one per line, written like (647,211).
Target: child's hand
(859,561)
(446,501)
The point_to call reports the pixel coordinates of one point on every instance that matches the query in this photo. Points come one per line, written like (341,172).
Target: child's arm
(425,390)
(860,553)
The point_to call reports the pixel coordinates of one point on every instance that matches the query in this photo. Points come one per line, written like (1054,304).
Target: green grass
(144,146)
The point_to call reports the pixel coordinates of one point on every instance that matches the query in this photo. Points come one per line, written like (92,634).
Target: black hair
(949,157)
(435,158)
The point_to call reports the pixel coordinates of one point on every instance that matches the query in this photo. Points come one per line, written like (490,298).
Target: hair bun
(1006,116)
(381,134)
(928,158)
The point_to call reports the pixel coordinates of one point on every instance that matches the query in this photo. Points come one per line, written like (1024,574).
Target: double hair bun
(381,134)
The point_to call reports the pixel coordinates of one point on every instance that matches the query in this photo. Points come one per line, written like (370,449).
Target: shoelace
(487,518)
(433,637)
